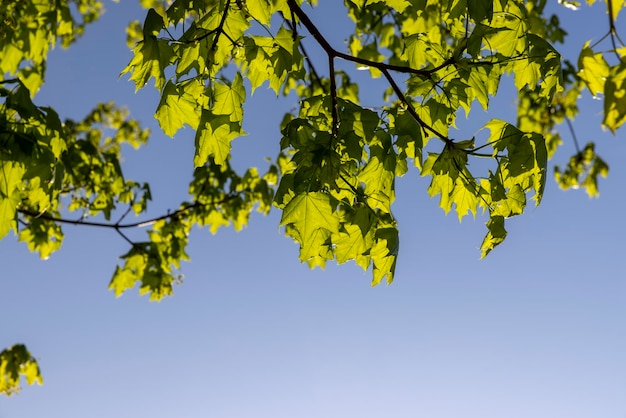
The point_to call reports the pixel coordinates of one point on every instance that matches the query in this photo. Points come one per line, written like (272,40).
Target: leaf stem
(573,133)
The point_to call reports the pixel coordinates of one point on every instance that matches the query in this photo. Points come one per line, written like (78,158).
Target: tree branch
(118,225)
(571,130)
(220,27)
(411,109)
(333,96)
(321,40)
(381,66)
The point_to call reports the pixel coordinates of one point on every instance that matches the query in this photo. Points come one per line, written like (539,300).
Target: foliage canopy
(334,176)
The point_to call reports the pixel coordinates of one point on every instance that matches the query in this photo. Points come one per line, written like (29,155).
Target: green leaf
(213,138)
(378,176)
(229,99)
(511,204)
(480,10)
(509,37)
(593,70)
(153,24)
(356,236)
(549,61)
(257,64)
(452,181)
(527,157)
(285,59)
(465,197)
(527,72)
(423,50)
(409,137)
(11,177)
(309,212)
(583,169)
(8,214)
(125,278)
(495,236)
(384,255)
(16,361)
(178,106)
(260,10)
(152,263)
(42,236)
(398,5)
(312,219)
(615,98)
(151,56)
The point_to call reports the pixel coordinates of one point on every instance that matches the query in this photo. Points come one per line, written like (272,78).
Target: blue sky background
(535,330)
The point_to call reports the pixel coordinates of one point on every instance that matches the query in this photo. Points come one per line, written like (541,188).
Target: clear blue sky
(538,329)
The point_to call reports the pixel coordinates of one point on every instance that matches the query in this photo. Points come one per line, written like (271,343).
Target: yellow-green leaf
(16,361)
(592,69)
(229,99)
(213,137)
(615,98)
(179,106)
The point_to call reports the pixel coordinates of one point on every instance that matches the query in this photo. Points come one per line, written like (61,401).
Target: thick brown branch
(381,66)
(293,6)
(321,40)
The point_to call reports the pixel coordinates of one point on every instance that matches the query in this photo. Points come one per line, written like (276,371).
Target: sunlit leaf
(179,106)
(213,137)
(15,362)
(615,98)
(593,70)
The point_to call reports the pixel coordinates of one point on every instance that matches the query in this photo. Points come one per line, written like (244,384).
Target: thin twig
(573,133)
(411,109)
(220,27)
(119,221)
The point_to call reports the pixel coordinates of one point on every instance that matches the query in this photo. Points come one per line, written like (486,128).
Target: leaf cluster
(337,160)
(17,362)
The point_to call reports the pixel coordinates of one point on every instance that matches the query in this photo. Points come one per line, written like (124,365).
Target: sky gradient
(537,329)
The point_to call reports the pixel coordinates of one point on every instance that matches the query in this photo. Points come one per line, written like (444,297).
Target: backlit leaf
(213,137)
(179,106)
(312,216)
(15,362)
(495,236)
(229,99)
(593,70)
(615,98)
